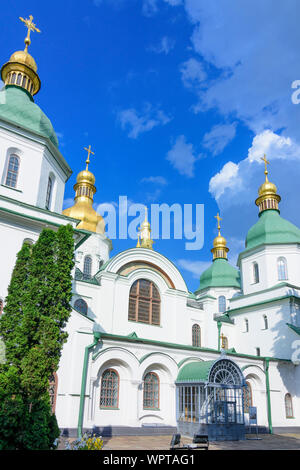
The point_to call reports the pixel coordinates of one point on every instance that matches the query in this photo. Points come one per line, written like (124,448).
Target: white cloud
(194,267)
(193,73)
(235,187)
(149,7)
(174,2)
(182,157)
(147,119)
(165,46)
(218,137)
(160,180)
(253,52)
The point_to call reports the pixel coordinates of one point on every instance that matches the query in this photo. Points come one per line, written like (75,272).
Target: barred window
(12,171)
(247,397)
(144,302)
(109,396)
(222,304)
(49,193)
(87,267)
(282,269)
(151,391)
(288,406)
(196,335)
(53,391)
(81,306)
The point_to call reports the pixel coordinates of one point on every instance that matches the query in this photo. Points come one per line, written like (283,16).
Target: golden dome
(83,207)
(21,69)
(23,57)
(144,237)
(219,249)
(267,193)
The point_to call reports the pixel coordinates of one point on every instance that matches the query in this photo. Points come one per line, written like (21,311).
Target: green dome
(271,228)
(195,372)
(220,274)
(17,107)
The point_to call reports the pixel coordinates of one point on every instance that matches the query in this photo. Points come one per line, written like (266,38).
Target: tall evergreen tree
(32,327)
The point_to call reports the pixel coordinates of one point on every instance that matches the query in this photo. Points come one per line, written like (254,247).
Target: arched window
(222,304)
(87,267)
(247,397)
(255,273)
(151,391)
(196,335)
(81,306)
(265,319)
(282,269)
(288,406)
(246,325)
(49,193)
(12,171)
(53,391)
(1,306)
(144,302)
(109,395)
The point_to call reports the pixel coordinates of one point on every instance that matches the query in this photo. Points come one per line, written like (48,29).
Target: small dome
(267,188)
(23,57)
(18,108)
(272,228)
(219,274)
(219,242)
(86,176)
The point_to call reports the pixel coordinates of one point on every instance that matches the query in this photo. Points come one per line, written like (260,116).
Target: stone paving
(265,442)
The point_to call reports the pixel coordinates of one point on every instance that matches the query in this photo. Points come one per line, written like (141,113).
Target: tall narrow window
(53,391)
(196,335)
(255,273)
(144,302)
(49,193)
(258,351)
(81,306)
(247,397)
(12,171)
(87,267)
(222,304)
(288,406)
(109,395)
(246,325)
(265,320)
(282,269)
(151,391)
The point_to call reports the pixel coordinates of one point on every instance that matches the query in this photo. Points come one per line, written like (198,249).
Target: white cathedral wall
(98,247)
(36,164)
(266,258)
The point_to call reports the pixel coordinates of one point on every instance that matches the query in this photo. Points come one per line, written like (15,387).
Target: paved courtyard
(266,442)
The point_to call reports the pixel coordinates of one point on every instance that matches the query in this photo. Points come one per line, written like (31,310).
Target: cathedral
(144,354)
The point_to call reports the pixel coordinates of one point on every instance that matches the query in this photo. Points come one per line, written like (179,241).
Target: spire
(219,249)
(267,193)
(21,69)
(84,198)
(144,238)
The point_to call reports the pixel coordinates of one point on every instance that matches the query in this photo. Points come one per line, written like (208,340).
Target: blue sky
(179,100)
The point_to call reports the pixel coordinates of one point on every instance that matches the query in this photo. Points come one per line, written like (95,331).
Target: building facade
(144,354)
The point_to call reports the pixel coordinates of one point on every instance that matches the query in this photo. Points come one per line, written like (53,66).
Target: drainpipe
(219,334)
(97,336)
(267,362)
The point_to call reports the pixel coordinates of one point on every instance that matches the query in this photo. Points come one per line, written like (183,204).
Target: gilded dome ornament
(21,69)
(219,249)
(267,193)
(83,207)
(144,237)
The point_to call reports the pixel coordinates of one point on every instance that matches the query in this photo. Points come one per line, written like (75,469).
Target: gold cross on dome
(264,159)
(89,151)
(218,219)
(31,27)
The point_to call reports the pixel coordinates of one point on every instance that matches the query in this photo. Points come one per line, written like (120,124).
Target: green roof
(296,329)
(195,372)
(220,274)
(272,228)
(17,107)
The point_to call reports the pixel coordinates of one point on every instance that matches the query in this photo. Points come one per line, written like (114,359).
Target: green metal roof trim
(224,319)
(79,277)
(272,228)
(19,108)
(277,286)
(195,372)
(236,311)
(110,336)
(296,329)
(219,274)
